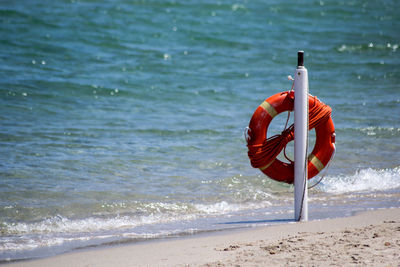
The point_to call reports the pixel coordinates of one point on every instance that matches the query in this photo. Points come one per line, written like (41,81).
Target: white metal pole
(300,140)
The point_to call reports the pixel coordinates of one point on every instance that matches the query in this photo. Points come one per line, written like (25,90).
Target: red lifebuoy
(263,152)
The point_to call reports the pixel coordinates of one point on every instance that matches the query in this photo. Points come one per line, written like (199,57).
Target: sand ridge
(373,245)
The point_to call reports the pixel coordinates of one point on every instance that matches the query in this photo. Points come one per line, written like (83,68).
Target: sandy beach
(367,239)
(132,132)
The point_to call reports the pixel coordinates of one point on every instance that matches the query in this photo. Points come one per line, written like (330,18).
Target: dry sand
(367,239)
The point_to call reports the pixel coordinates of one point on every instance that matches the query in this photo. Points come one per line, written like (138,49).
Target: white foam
(224,207)
(61,224)
(363,180)
(375,130)
(58,229)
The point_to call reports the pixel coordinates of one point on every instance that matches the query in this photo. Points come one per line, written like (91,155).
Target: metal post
(300,140)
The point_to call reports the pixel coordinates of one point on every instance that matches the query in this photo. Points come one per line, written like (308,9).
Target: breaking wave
(363,180)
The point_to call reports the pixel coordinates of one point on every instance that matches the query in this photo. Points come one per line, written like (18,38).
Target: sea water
(123,121)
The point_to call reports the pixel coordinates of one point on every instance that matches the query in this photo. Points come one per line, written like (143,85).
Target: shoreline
(367,238)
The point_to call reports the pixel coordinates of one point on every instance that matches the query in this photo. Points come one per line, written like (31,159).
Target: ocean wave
(59,230)
(167,132)
(363,180)
(224,207)
(369,46)
(60,224)
(373,130)
(154,213)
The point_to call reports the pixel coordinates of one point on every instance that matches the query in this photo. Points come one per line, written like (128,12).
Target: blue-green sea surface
(122,121)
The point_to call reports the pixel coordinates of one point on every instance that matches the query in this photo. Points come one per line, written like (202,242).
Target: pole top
(300,59)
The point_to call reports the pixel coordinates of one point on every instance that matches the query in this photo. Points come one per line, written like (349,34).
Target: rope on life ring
(263,152)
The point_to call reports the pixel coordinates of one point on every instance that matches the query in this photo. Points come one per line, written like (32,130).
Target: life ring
(258,143)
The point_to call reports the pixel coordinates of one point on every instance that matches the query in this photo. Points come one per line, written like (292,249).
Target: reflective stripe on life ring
(316,162)
(269,108)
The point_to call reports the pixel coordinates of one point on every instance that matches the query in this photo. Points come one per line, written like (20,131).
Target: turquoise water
(123,120)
